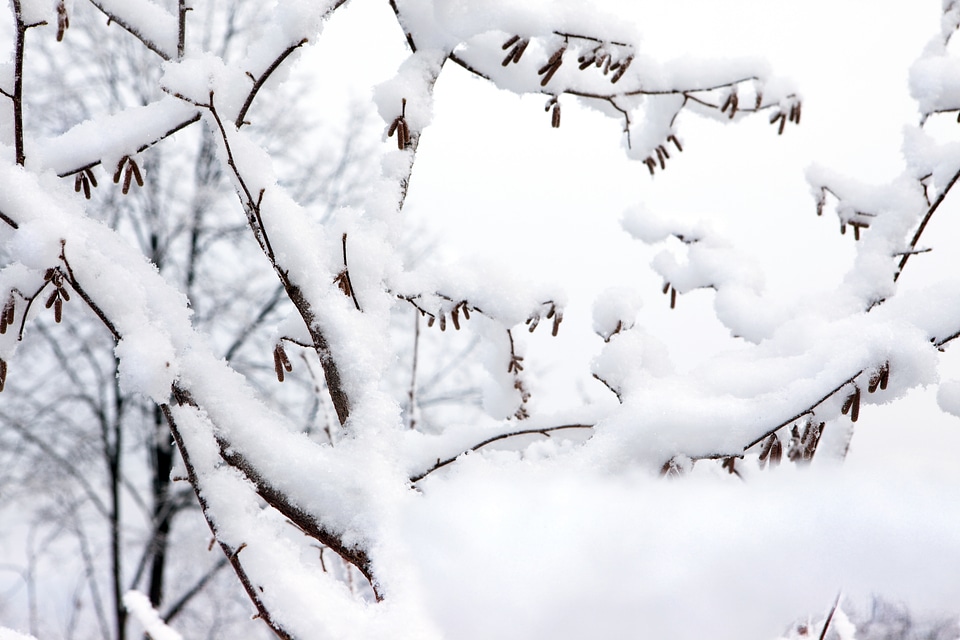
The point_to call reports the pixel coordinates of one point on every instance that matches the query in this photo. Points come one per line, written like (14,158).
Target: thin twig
(826,624)
(75,284)
(807,411)
(503,436)
(259,82)
(923,223)
(331,371)
(182,9)
(346,275)
(190,593)
(147,42)
(412,393)
(230,553)
(10,221)
(17,97)
(143,147)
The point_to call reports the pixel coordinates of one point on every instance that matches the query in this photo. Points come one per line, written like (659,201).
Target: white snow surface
(129,129)
(580,553)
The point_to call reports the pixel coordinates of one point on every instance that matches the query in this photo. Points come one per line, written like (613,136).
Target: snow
(409,92)
(615,310)
(139,606)
(195,77)
(562,537)
(37,11)
(130,130)
(148,365)
(948,396)
(145,18)
(590,554)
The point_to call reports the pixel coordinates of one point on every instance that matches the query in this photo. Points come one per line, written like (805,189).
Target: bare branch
(132,30)
(503,436)
(923,223)
(260,81)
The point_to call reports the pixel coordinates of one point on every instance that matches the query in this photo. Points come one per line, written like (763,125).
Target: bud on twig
(82,182)
(852,405)
(280,361)
(803,446)
(127,176)
(130,171)
(136,173)
(519,46)
(771,451)
(343,283)
(553,64)
(732,103)
(795,113)
(624,64)
(782,119)
(532,322)
(63,21)
(668,288)
(8,315)
(880,378)
(400,127)
(730,464)
(119,171)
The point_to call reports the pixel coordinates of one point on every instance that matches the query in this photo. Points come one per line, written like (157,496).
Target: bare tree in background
(91,461)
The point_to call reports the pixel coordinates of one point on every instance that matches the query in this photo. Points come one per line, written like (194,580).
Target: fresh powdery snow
(139,605)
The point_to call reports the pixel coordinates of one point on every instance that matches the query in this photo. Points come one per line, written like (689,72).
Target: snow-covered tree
(90,464)
(570,531)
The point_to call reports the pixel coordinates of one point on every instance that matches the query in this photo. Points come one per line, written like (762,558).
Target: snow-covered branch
(576,58)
